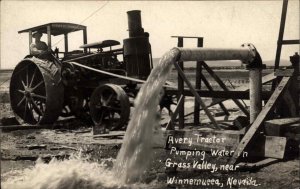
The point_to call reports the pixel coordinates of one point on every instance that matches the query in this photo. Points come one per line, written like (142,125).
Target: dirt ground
(21,149)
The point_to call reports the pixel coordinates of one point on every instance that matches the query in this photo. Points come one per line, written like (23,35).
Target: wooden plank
(170,125)
(277,127)
(284,121)
(224,87)
(290,42)
(250,135)
(257,165)
(281,31)
(221,94)
(111,134)
(22,127)
(209,115)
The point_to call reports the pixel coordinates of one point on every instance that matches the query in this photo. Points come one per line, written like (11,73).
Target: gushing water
(131,162)
(136,151)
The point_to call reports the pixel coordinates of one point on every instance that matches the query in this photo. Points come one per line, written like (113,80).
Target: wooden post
(49,37)
(180,89)
(30,40)
(198,84)
(84,39)
(280,39)
(281,32)
(66,43)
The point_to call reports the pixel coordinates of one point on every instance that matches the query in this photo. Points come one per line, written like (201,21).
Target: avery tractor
(97,82)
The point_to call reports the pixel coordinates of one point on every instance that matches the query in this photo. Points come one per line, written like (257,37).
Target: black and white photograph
(150,94)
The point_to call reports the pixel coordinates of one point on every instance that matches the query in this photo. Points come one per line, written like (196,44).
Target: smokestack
(137,48)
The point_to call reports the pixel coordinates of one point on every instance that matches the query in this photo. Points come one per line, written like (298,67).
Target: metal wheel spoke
(38,96)
(23,92)
(101,118)
(25,110)
(24,86)
(37,85)
(27,80)
(35,107)
(114,108)
(30,107)
(32,77)
(22,100)
(109,98)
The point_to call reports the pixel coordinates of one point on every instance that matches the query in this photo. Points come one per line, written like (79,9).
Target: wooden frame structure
(285,90)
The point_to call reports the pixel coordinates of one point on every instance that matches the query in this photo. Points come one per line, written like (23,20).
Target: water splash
(136,151)
(74,173)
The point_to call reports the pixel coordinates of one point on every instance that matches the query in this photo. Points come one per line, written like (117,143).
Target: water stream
(132,160)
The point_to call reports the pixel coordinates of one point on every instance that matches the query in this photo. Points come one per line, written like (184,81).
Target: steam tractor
(94,83)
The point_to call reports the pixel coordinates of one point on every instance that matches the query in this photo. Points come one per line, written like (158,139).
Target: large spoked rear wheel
(36,92)
(109,107)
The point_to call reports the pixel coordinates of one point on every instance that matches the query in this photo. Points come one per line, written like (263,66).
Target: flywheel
(109,106)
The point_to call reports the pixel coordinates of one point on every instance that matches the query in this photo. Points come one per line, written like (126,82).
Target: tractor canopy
(55,29)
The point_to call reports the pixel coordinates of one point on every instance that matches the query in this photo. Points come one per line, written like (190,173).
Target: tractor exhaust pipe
(137,48)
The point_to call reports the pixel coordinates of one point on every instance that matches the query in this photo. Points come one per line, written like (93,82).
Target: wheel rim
(109,107)
(34,94)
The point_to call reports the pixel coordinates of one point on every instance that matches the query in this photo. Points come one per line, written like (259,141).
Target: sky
(224,24)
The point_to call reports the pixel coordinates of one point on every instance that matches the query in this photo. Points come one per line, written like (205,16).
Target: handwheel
(109,106)
(36,92)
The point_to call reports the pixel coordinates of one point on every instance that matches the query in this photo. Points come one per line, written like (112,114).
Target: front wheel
(109,107)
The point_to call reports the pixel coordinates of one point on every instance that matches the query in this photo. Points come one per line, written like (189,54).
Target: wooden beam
(224,87)
(221,94)
(196,95)
(254,128)
(210,88)
(22,127)
(170,125)
(281,32)
(290,42)
(257,165)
